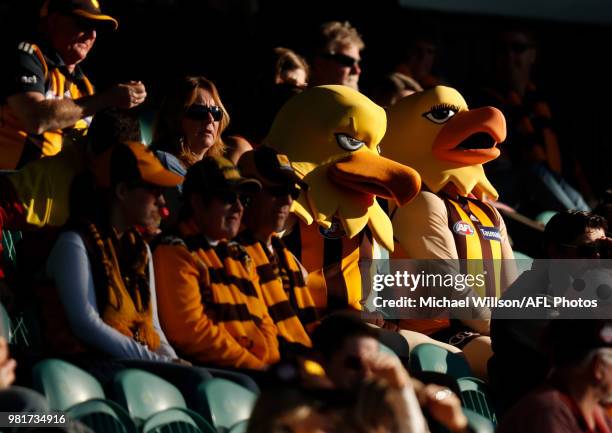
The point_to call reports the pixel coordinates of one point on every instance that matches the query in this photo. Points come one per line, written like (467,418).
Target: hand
(7,365)
(389,368)
(181,362)
(126,95)
(443,405)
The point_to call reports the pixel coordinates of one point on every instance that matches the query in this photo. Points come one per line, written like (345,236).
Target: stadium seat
(226,403)
(5,324)
(236,377)
(475,397)
(70,389)
(156,404)
(429,357)
(477,423)
(523,262)
(545,216)
(241,427)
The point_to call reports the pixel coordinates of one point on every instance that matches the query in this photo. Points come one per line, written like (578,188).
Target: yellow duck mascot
(437,134)
(331,135)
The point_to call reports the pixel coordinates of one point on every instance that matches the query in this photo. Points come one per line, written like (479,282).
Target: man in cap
(580,383)
(281,276)
(209,302)
(47,96)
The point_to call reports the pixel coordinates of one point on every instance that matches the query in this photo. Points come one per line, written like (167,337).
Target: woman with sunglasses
(209,302)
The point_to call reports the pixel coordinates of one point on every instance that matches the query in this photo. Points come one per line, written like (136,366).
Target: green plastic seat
(478,423)
(177,421)
(545,216)
(156,404)
(241,427)
(70,389)
(65,385)
(225,403)
(5,324)
(475,397)
(429,357)
(523,262)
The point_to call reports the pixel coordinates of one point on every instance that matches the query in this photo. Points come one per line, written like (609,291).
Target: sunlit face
(72,37)
(268,210)
(219,218)
(348,367)
(343,69)
(516,54)
(201,134)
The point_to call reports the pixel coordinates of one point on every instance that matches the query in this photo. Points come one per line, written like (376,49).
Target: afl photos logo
(463,228)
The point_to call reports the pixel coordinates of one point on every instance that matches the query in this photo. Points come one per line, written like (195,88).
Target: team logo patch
(490,233)
(29,80)
(462,228)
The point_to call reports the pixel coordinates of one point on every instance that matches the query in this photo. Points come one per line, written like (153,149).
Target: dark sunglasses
(84,25)
(231,197)
(200,112)
(589,249)
(343,59)
(284,191)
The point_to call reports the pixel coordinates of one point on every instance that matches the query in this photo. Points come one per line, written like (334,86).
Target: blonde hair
(167,130)
(336,34)
(288,60)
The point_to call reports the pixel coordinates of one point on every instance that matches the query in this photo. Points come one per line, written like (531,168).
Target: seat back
(226,403)
(64,385)
(102,416)
(177,421)
(429,357)
(143,394)
(475,397)
(478,423)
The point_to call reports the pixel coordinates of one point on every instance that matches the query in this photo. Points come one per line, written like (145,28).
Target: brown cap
(130,162)
(216,174)
(88,9)
(269,167)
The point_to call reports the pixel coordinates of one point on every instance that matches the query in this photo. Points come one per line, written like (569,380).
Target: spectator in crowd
(418,61)
(580,382)
(102,267)
(281,276)
(188,127)
(290,68)
(388,89)
(350,354)
(336,54)
(529,174)
(519,362)
(210,304)
(47,96)
(235,147)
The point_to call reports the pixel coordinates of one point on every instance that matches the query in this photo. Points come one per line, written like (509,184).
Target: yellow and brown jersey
(42,72)
(332,261)
(283,288)
(477,231)
(209,306)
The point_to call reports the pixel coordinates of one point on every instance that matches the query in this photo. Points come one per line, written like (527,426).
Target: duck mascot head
(331,135)
(447,143)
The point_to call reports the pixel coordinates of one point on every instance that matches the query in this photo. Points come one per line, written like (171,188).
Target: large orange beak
(372,174)
(471,137)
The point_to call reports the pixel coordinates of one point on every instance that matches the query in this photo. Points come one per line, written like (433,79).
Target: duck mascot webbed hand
(331,135)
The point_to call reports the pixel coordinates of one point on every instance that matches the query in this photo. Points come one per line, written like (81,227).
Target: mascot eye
(349,143)
(441,113)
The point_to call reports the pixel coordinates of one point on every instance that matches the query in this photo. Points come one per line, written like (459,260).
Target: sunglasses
(343,59)
(284,191)
(200,112)
(231,197)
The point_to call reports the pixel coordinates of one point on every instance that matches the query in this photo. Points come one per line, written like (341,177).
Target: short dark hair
(336,328)
(110,127)
(565,227)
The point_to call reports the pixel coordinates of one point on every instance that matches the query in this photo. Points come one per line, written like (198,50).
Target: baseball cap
(87,9)
(132,162)
(269,167)
(217,174)
(572,340)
